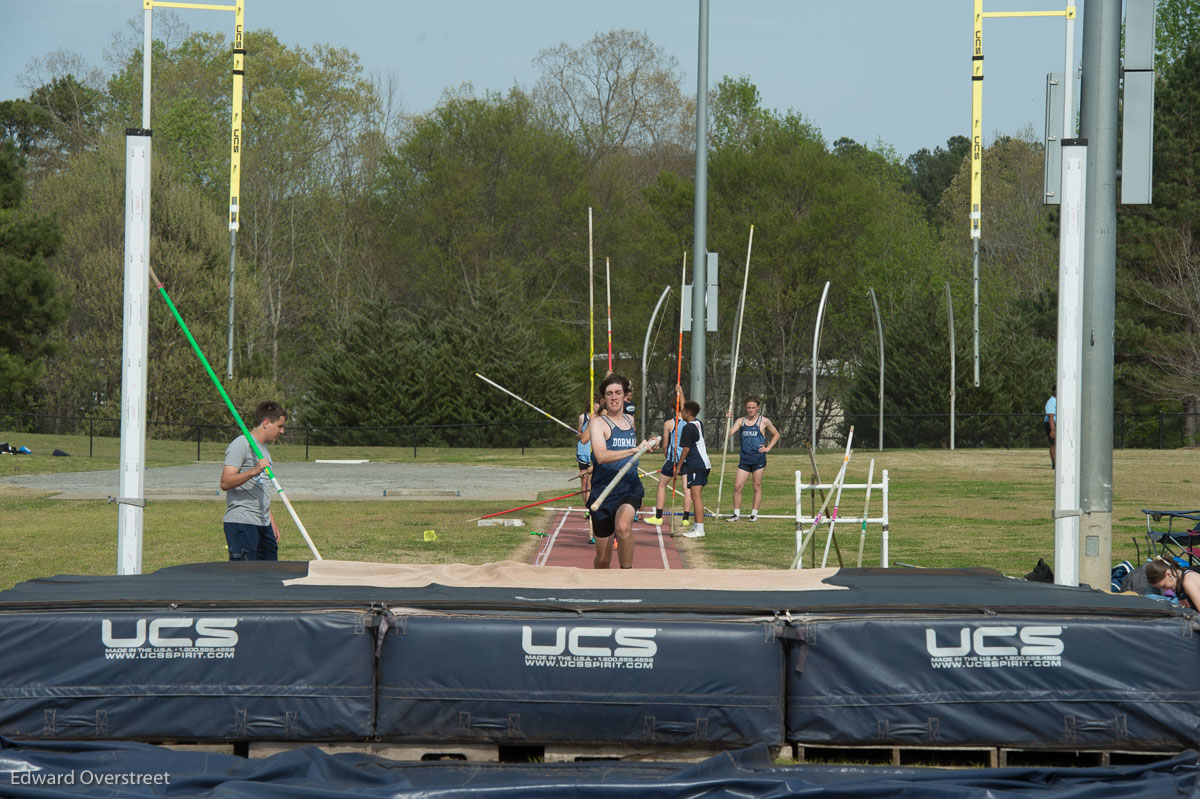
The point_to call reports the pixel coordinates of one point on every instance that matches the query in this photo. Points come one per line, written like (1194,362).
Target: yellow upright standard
(977,122)
(235,138)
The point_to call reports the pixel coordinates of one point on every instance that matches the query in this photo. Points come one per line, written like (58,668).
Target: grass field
(965,508)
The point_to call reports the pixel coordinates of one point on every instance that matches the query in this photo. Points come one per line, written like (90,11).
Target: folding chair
(1170,540)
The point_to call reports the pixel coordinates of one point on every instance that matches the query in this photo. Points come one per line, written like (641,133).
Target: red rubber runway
(566,544)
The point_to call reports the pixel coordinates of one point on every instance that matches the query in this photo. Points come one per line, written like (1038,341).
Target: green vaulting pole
(229,403)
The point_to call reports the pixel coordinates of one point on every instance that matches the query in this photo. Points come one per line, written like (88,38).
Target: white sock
(699,527)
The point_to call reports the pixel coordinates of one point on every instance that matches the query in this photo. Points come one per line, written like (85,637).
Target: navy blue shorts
(699,478)
(251,541)
(751,467)
(604,518)
(668,469)
(582,466)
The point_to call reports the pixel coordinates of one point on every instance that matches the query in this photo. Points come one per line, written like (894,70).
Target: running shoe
(687,522)
(591,540)
(735,518)
(656,520)
(753,517)
(693,534)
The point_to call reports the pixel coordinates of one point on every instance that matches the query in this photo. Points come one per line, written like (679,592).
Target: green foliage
(418,368)
(30,308)
(1159,244)
(1017,379)
(480,202)
(1177,24)
(930,173)
(189,254)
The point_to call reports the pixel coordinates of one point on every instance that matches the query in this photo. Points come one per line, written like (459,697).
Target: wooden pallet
(513,753)
(974,756)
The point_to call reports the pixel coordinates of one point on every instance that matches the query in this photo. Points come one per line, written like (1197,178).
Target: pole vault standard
(131,490)
(235,141)
(977,130)
(737,349)
(229,404)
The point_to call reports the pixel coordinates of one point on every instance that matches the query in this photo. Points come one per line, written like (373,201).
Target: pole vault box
(642,679)
(1030,682)
(204,675)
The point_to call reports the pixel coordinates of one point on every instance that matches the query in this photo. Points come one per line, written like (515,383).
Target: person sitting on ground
(1166,575)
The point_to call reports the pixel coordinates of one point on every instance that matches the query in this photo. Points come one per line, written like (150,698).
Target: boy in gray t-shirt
(250,529)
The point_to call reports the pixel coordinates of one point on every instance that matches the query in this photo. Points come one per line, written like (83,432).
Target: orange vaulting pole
(672,451)
(608,296)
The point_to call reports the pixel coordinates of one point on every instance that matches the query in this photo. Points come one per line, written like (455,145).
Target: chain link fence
(900,431)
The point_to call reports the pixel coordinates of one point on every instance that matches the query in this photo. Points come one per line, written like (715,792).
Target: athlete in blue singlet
(614,441)
(670,437)
(752,431)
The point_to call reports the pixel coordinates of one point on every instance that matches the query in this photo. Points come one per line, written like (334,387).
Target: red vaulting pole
(523,507)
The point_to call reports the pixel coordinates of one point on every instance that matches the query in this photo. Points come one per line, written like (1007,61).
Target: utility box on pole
(710,299)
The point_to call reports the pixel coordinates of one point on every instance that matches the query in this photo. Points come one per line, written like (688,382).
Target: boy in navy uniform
(614,441)
(693,461)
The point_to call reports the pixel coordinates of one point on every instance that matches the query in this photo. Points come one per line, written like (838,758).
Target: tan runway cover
(511,574)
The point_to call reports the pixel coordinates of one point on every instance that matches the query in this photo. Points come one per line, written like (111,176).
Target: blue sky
(896,71)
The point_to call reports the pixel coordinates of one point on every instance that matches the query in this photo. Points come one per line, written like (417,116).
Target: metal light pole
(700,213)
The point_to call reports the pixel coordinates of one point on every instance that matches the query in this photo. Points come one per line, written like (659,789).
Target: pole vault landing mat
(511,653)
(61,769)
(566,544)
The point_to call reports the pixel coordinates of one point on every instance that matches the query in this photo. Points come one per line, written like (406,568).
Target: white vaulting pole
(837,501)
(608,302)
(837,481)
(862,538)
(591,322)
(527,402)
(737,348)
(649,443)
(816,441)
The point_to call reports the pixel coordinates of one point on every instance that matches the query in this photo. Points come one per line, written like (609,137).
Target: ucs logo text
(210,633)
(989,642)
(631,642)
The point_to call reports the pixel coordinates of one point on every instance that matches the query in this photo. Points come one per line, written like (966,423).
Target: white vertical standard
(953,362)
(1070,359)
(133,353)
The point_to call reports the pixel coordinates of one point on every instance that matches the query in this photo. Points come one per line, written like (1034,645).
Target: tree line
(386,256)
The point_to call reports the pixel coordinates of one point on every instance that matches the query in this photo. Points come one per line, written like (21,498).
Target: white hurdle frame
(803,521)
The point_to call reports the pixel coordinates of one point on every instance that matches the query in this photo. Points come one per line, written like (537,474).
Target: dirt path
(317,481)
